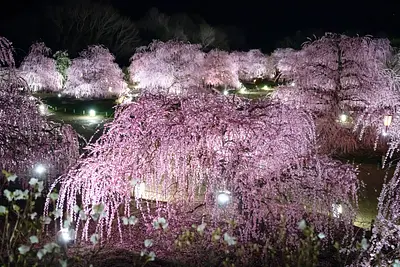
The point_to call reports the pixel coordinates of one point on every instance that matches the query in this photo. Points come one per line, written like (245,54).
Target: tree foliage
(170,68)
(94,74)
(253,64)
(180,68)
(337,75)
(186,150)
(221,69)
(63,62)
(39,70)
(27,139)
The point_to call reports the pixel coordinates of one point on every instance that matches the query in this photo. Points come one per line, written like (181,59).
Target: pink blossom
(168,68)
(38,69)
(337,75)
(221,69)
(94,74)
(27,139)
(253,64)
(186,150)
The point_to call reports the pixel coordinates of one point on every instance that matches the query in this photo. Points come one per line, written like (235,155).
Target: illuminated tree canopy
(168,68)
(27,138)
(253,65)
(94,74)
(337,76)
(186,150)
(39,70)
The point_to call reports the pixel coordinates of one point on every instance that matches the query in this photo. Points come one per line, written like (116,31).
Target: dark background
(262,24)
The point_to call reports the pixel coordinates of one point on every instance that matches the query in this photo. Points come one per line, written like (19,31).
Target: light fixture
(65,236)
(292,84)
(343,118)
(387,120)
(265,87)
(59,95)
(140,190)
(110,89)
(223,198)
(225,92)
(40,169)
(42,109)
(92,113)
(337,210)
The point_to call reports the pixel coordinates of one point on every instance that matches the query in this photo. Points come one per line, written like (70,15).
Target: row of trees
(172,66)
(93,74)
(178,68)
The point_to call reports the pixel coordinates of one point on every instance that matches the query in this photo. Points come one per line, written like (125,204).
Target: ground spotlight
(92,113)
(42,109)
(65,236)
(40,169)
(223,198)
(343,118)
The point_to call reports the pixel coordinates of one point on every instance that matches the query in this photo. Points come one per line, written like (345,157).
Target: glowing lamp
(40,169)
(223,198)
(110,89)
(65,236)
(92,113)
(387,120)
(42,108)
(225,92)
(337,210)
(59,95)
(343,118)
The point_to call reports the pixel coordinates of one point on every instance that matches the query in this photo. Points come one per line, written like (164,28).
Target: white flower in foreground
(230,240)
(148,243)
(23,249)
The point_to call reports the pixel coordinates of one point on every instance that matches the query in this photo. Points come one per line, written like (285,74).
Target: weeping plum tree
(26,138)
(180,153)
(167,68)
(385,241)
(384,116)
(221,70)
(284,62)
(94,74)
(39,70)
(337,77)
(253,65)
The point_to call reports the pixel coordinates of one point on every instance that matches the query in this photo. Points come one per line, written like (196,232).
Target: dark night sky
(263,22)
(266,21)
